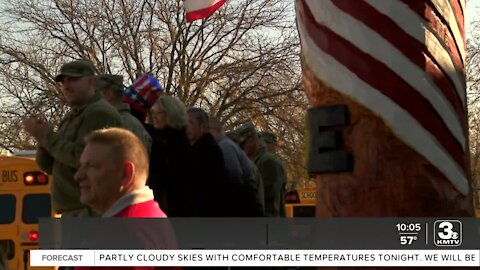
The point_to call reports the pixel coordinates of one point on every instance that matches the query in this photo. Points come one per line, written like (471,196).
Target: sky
(472,13)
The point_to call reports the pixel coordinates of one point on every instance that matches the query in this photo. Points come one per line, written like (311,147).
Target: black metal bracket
(328,116)
(326,140)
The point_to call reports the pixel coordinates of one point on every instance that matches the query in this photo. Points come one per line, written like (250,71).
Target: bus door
(9,231)
(26,191)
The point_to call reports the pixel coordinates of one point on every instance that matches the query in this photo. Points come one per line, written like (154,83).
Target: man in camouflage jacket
(269,166)
(58,152)
(111,87)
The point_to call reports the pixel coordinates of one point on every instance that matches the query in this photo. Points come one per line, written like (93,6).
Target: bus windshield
(36,206)
(7,208)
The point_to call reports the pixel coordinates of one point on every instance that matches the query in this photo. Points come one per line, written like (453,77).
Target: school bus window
(7,208)
(304,211)
(8,248)
(36,206)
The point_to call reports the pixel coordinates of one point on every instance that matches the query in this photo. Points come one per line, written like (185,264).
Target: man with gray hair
(208,189)
(111,87)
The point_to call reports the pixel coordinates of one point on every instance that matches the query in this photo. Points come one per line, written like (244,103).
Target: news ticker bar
(261,233)
(257,258)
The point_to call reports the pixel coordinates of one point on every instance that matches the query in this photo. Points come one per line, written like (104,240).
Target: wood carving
(398,65)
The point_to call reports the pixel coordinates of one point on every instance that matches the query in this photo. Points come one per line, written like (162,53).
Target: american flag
(199,9)
(403,60)
(143,92)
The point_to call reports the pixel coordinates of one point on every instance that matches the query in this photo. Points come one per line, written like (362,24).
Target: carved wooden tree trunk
(397,66)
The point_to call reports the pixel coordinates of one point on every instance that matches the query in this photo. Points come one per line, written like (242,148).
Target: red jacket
(146,208)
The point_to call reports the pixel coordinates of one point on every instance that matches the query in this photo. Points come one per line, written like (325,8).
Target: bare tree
(242,63)
(473,64)
(473,90)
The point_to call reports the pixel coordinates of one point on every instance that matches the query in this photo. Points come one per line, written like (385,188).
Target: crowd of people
(106,160)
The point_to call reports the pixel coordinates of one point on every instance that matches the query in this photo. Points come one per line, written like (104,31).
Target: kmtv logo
(447,233)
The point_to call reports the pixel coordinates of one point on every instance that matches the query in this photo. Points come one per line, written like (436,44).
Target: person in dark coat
(209,184)
(241,177)
(170,160)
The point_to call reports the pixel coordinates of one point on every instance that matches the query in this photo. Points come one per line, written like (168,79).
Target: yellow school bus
(300,202)
(24,198)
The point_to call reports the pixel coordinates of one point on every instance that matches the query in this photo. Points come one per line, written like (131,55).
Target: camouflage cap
(75,69)
(108,81)
(232,135)
(245,131)
(268,137)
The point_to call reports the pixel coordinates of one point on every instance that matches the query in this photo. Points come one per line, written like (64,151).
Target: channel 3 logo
(447,233)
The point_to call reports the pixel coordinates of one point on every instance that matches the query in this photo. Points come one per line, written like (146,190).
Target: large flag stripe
(443,33)
(462,5)
(369,42)
(458,12)
(443,8)
(441,30)
(385,81)
(410,47)
(409,21)
(329,70)
(428,12)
